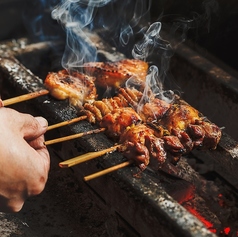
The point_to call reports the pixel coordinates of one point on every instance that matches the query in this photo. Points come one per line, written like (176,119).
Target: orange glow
(207,223)
(220,200)
(227,230)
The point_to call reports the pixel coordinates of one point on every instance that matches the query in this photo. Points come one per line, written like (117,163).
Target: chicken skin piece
(76,87)
(151,110)
(100,108)
(154,110)
(115,74)
(117,121)
(179,116)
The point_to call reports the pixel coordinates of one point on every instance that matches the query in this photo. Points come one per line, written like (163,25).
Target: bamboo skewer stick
(25,97)
(86,157)
(70,137)
(108,170)
(68,122)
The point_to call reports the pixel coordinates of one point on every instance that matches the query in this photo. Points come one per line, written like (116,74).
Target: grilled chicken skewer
(80,88)
(140,145)
(178,119)
(173,137)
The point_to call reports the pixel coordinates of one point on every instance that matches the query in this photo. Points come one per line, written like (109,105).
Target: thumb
(35,127)
(42,121)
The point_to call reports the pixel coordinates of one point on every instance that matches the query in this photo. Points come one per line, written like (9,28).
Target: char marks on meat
(118,120)
(185,122)
(141,145)
(115,74)
(76,87)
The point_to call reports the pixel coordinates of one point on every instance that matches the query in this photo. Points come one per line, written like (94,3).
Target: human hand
(24,159)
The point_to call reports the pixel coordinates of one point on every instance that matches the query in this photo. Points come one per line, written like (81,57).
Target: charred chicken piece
(212,135)
(179,116)
(100,108)
(76,87)
(185,122)
(127,98)
(151,110)
(118,120)
(141,145)
(115,74)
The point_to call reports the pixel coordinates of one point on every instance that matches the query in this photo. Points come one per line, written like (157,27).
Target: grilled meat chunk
(100,108)
(178,117)
(115,74)
(150,108)
(185,122)
(212,135)
(153,110)
(76,87)
(141,145)
(118,120)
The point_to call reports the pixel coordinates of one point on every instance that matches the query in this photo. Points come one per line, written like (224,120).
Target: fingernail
(42,121)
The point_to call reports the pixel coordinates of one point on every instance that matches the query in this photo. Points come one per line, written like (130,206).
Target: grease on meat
(77,87)
(115,74)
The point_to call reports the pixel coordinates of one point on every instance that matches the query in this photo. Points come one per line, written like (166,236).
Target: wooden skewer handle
(74,136)
(107,171)
(68,122)
(85,157)
(25,97)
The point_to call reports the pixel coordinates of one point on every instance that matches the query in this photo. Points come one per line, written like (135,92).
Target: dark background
(209,24)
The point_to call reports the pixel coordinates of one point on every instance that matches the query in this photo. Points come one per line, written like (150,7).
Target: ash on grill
(200,200)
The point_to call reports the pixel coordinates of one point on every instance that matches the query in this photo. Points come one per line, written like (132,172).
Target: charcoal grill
(200,201)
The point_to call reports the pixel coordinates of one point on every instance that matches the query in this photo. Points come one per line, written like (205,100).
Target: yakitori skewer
(74,136)
(108,170)
(179,128)
(86,157)
(68,122)
(25,97)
